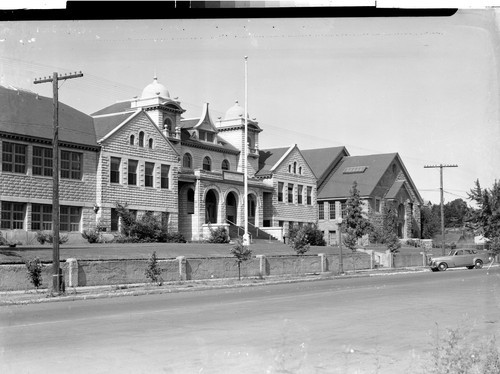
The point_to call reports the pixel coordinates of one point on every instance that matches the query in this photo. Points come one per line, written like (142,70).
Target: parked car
(469,258)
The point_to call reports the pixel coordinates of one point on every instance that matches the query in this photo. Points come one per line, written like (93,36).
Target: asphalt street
(380,324)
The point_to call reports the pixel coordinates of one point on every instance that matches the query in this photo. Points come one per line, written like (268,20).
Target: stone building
(381,179)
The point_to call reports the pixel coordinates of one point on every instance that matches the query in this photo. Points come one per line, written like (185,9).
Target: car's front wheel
(443,266)
(478,264)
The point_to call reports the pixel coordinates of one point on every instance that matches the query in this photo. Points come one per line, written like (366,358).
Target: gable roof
(31,115)
(323,160)
(106,124)
(268,158)
(339,183)
(118,107)
(395,188)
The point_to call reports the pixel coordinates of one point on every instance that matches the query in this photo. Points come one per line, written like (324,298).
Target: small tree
(34,272)
(153,270)
(299,242)
(392,242)
(218,235)
(241,253)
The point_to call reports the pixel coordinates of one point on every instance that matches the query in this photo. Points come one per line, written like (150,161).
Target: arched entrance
(211,207)
(252,204)
(231,208)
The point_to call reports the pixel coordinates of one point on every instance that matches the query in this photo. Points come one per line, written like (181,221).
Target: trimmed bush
(48,237)
(34,272)
(219,235)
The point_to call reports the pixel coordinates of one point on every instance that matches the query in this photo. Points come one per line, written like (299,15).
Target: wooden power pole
(441,166)
(55,175)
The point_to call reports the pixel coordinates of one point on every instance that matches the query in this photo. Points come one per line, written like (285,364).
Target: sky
(425,87)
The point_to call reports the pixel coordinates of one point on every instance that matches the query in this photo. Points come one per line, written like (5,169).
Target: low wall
(79,273)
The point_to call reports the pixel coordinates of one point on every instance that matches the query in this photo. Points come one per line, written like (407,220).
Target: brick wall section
(198,155)
(139,197)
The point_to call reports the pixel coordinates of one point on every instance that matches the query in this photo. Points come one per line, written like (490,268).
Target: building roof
(105,124)
(28,114)
(321,159)
(268,158)
(118,107)
(340,183)
(395,188)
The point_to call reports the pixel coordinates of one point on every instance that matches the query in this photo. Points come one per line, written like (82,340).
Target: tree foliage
(455,212)
(153,270)
(430,222)
(241,253)
(34,271)
(354,224)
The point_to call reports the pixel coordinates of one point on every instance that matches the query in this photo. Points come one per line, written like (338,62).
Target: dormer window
(206,136)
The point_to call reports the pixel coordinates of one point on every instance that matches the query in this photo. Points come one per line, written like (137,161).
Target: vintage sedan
(469,258)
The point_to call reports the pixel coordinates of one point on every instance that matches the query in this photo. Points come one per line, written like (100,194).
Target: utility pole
(55,174)
(246,237)
(441,166)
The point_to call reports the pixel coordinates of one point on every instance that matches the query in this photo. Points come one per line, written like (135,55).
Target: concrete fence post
(72,272)
(322,256)
(262,264)
(182,267)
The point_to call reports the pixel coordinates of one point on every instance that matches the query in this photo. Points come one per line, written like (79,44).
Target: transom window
(12,216)
(207,164)
(71,165)
(42,161)
(14,157)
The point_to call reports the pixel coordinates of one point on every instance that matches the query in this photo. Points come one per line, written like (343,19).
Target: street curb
(110,291)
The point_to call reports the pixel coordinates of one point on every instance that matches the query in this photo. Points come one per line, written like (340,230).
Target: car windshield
(452,253)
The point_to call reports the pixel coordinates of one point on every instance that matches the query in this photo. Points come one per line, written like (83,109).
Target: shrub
(309,233)
(48,237)
(3,241)
(392,243)
(153,270)
(241,253)
(34,272)
(299,242)
(219,235)
(92,235)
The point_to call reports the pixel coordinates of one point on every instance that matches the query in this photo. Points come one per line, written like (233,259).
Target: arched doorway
(231,208)
(252,205)
(211,207)
(401,220)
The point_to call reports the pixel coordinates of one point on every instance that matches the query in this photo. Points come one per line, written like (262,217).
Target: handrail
(257,230)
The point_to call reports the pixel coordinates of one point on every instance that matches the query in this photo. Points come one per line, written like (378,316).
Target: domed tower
(232,129)
(164,111)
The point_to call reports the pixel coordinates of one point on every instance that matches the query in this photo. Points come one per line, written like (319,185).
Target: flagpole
(246,238)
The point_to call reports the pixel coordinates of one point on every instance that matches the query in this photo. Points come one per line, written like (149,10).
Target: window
(12,217)
(141,139)
(331,206)
(280,223)
(150,143)
(309,195)
(42,161)
(206,136)
(225,165)
(14,157)
(115,219)
(295,168)
(132,140)
(377,205)
(207,164)
(190,201)
(321,211)
(114,175)
(148,174)
(132,172)
(290,193)
(41,217)
(165,169)
(289,168)
(300,170)
(280,191)
(343,207)
(69,218)
(71,165)
(300,189)
(187,161)
(168,125)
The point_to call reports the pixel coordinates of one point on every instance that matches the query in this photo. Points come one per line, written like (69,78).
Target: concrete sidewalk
(99,292)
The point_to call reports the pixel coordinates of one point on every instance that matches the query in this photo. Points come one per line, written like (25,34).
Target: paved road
(383,324)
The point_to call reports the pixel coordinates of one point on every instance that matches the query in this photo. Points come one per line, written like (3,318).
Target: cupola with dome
(155,89)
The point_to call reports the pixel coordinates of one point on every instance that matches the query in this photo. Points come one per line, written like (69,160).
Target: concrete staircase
(256,234)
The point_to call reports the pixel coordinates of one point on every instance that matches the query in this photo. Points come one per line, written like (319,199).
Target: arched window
(150,143)
(168,125)
(249,142)
(141,139)
(132,139)
(187,161)
(225,165)
(207,164)
(295,168)
(300,170)
(289,168)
